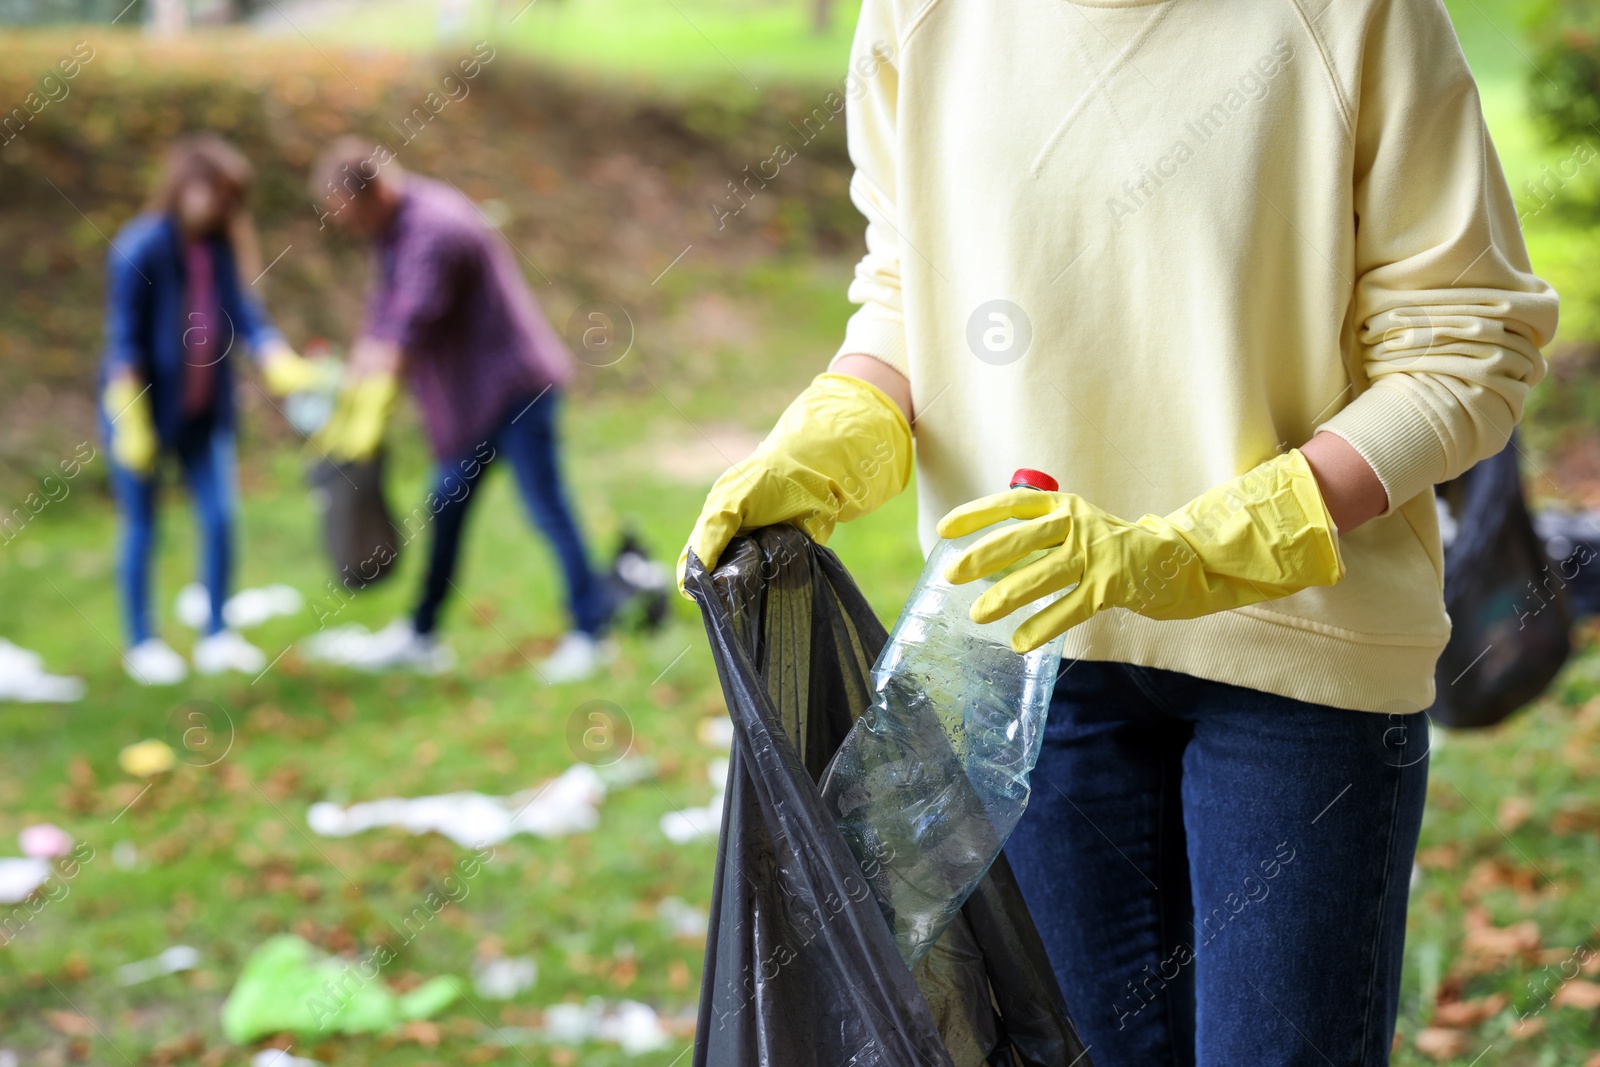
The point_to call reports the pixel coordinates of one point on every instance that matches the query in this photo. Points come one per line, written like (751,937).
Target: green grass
(662,43)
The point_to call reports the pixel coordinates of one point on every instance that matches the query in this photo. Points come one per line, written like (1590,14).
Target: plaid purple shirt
(448,292)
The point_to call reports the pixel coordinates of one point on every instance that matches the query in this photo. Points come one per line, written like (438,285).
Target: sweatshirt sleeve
(1449,317)
(878,327)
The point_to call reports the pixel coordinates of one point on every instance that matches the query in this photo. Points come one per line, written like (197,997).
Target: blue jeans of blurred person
(1220,875)
(526,435)
(205,455)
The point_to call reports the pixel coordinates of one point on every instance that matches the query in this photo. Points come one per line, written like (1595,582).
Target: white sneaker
(577,657)
(152,662)
(225,650)
(398,646)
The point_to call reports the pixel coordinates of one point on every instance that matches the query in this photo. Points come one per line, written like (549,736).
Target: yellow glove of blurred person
(355,430)
(133,429)
(286,371)
(1263,535)
(840,450)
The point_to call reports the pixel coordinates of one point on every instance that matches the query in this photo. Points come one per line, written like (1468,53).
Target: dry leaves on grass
(69,1023)
(1466,1013)
(1579,994)
(1438,1043)
(1487,943)
(1513,812)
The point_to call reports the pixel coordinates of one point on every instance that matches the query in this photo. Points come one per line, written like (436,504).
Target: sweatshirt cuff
(1396,438)
(881,338)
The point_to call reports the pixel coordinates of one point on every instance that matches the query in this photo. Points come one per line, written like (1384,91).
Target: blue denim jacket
(145,280)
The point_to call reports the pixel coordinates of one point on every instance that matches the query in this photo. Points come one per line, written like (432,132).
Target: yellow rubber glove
(840,450)
(286,371)
(355,430)
(1263,535)
(133,429)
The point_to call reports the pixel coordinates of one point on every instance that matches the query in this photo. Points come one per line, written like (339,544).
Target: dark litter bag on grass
(801,969)
(357,526)
(1508,605)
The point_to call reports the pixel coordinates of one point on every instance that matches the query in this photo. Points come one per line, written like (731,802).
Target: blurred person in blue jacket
(175,311)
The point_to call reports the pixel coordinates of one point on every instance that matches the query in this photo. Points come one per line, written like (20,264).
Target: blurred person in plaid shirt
(451,315)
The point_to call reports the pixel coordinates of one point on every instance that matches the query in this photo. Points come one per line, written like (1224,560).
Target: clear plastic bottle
(933,776)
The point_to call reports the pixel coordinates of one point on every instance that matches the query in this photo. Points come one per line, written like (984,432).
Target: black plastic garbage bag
(1508,607)
(801,970)
(357,527)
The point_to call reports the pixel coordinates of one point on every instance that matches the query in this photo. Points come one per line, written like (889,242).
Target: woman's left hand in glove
(1262,535)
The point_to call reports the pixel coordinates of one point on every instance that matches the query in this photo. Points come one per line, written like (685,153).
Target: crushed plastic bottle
(933,777)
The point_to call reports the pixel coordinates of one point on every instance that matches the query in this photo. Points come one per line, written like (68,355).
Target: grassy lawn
(218,854)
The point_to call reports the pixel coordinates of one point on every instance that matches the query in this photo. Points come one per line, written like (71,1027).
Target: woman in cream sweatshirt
(1248,282)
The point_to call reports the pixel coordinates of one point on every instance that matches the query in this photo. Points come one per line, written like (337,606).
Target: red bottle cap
(1027,478)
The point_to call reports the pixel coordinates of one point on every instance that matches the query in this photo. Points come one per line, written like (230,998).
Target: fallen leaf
(1579,994)
(69,1023)
(421,1031)
(1483,938)
(1575,821)
(1513,812)
(1592,1061)
(1465,1013)
(1523,1029)
(1440,857)
(1440,1044)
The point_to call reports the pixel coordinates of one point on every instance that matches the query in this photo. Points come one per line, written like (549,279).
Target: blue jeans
(527,436)
(1219,874)
(205,453)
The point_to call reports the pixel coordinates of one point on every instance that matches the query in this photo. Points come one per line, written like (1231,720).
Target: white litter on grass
(8,1058)
(23,678)
(682,919)
(21,878)
(503,979)
(634,1026)
(244,609)
(568,804)
(716,732)
(171,961)
(699,824)
(124,856)
(344,645)
(277,1057)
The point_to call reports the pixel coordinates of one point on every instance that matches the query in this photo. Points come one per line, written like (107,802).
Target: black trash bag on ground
(1572,545)
(357,526)
(1508,608)
(801,969)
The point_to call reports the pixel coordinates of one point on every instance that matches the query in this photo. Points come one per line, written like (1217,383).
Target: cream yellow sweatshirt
(1144,246)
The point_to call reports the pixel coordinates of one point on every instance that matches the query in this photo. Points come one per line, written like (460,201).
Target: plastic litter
(933,776)
(715,731)
(634,1026)
(246,608)
(286,986)
(24,679)
(504,978)
(277,1057)
(44,841)
(699,824)
(21,878)
(801,969)
(170,961)
(567,804)
(145,759)
(682,919)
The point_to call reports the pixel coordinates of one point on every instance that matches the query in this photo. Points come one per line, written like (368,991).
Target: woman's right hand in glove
(841,449)
(126,403)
